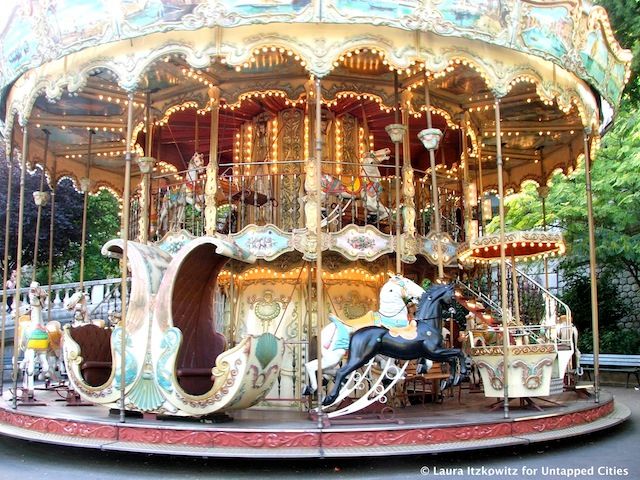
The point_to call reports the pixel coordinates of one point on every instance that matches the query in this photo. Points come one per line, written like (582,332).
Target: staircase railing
(556,314)
(478,295)
(532,307)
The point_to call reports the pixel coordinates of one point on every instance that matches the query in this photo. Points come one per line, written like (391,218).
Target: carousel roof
(573,34)
(67,66)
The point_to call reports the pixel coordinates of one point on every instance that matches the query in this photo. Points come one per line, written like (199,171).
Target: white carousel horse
(194,194)
(54,354)
(174,200)
(34,338)
(393,314)
(77,303)
(172,209)
(367,186)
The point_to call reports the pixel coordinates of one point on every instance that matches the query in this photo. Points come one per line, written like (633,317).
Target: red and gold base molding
(412,431)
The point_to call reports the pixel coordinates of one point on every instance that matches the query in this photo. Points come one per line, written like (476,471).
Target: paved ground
(611,454)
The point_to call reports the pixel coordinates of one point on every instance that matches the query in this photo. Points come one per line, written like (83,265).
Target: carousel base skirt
(257,433)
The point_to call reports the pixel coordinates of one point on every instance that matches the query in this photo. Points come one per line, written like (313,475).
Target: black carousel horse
(368,342)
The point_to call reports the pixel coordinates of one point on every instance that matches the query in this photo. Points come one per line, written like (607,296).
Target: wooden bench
(613,362)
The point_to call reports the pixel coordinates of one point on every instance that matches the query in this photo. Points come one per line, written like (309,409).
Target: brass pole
(39,214)
(592,267)
(483,221)
(396,113)
(211,182)
(126,194)
(145,181)
(466,184)
(319,282)
(196,144)
(5,264)
(514,282)
(435,198)
(54,185)
(309,314)
(16,299)
(503,263)
(85,205)
(543,197)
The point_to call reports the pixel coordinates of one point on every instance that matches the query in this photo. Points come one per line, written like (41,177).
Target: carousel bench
(95,348)
(613,362)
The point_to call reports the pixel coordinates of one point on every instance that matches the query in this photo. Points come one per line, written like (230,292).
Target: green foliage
(614,340)
(577,295)
(103,224)
(68,214)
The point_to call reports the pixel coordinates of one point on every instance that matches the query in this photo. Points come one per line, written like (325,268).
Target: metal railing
(103,297)
(261,193)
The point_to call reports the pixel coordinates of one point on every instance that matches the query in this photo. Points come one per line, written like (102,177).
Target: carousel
(304,189)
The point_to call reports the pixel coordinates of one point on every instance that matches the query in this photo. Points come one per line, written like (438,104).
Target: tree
(103,224)
(68,216)
(577,294)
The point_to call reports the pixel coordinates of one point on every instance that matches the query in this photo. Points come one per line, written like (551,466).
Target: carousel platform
(256,433)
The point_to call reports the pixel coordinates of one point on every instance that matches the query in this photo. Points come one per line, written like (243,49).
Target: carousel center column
(409,245)
(146,167)
(211,185)
(469,190)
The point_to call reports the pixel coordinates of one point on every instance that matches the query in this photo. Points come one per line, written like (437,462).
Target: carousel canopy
(521,245)
(67,67)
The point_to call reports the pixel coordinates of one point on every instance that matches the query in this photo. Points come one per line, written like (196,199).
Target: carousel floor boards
(416,429)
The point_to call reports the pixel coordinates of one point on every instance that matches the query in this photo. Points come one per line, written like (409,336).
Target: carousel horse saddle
(410,332)
(38,339)
(397,327)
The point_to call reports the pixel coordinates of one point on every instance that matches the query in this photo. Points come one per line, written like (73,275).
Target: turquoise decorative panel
(33,33)
(263,242)
(548,30)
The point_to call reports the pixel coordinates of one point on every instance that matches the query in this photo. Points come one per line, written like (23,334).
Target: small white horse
(367,186)
(77,303)
(393,314)
(34,339)
(194,194)
(174,199)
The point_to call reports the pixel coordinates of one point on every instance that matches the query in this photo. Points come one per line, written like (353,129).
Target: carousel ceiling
(361,86)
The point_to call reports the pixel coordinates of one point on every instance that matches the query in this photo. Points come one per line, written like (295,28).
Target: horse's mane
(429,305)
